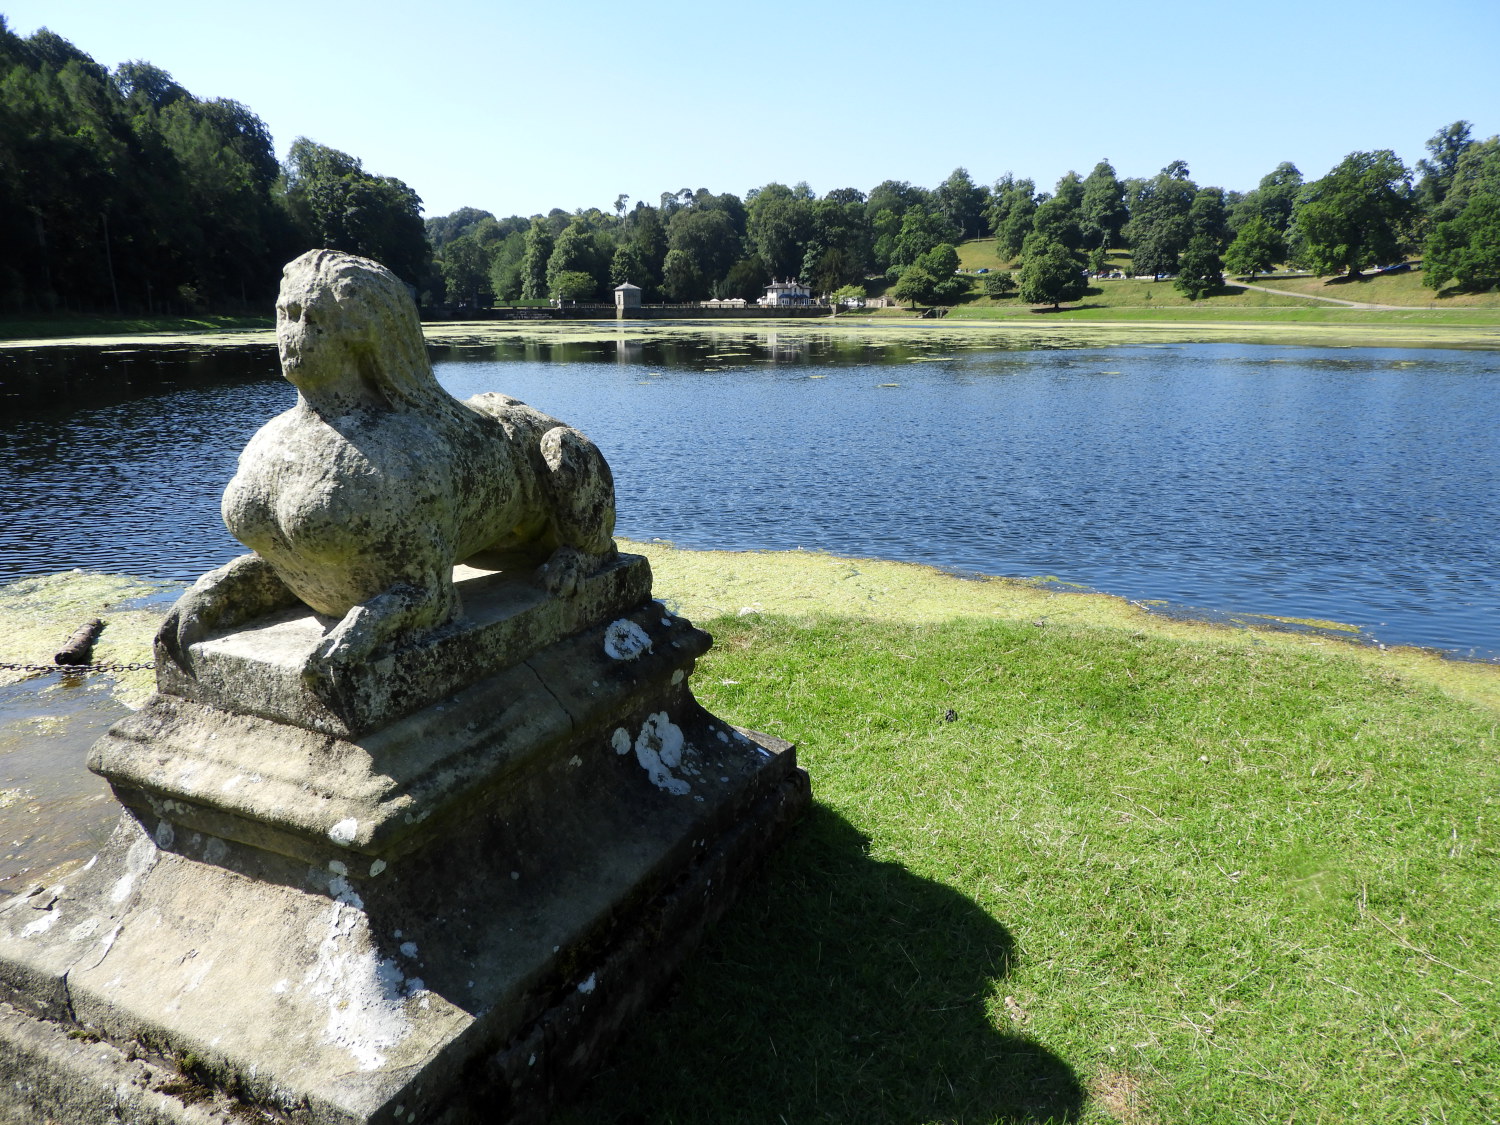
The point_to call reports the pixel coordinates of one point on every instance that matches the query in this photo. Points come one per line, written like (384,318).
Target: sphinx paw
(564,572)
(349,643)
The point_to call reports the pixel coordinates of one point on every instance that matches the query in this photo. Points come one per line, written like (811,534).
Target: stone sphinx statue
(360,499)
(401,841)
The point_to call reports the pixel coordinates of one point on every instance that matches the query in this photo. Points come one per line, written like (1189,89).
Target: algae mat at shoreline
(703,585)
(38,614)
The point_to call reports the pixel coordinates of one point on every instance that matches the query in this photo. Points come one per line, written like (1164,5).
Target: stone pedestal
(434,887)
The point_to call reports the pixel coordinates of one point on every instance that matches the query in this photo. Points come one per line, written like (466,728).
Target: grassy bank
(1209,312)
(1068,861)
(48,328)
(1072,862)
(1389,289)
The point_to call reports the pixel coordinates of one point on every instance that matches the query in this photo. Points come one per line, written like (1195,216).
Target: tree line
(122,190)
(688,245)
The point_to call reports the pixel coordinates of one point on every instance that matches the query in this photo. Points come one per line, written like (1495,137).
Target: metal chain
(77,669)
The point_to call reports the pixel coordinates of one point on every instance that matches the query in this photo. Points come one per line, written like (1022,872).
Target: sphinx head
(348,334)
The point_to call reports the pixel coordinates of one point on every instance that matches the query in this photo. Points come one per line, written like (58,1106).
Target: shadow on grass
(844,989)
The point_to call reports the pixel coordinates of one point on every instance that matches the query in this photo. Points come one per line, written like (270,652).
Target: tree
(1010,214)
(838,250)
(1056,220)
(506,277)
(1446,147)
(921,230)
(778,224)
(466,272)
(443,229)
(1257,248)
(915,286)
(681,280)
(1101,211)
(629,264)
(1001,283)
(1010,239)
(1160,219)
(1354,216)
(1208,216)
(573,285)
(1477,173)
(145,86)
(708,237)
(534,260)
(1272,200)
(961,202)
(343,207)
(747,279)
(648,234)
(885,227)
(896,196)
(1052,275)
(941,264)
(577,250)
(845,293)
(1466,250)
(1199,270)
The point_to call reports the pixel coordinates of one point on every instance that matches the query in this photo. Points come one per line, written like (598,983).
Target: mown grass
(44,328)
(979,254)
(1209,310)
(1065,871)
(1133,294)
(1391,289)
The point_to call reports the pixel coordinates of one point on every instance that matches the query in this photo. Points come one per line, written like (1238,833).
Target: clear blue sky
(518,108)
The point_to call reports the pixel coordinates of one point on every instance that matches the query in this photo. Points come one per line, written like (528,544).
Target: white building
(781,294)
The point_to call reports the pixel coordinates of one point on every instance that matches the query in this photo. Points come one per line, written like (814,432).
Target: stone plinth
(439,889)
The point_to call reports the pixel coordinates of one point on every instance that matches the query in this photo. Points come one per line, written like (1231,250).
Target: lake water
(1357,485)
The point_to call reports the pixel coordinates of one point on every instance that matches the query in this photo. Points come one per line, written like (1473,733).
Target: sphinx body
(358,500)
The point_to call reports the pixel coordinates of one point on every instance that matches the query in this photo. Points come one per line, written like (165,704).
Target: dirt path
(1312,297)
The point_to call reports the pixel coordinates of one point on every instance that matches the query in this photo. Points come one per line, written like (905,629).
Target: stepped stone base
(445,919)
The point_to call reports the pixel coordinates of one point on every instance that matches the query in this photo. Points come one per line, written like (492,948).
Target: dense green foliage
(1354,217)
(1256,248)
(1051,275)
(1199,270)
(121,191)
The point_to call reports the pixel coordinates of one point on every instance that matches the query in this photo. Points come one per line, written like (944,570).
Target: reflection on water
(1356,485)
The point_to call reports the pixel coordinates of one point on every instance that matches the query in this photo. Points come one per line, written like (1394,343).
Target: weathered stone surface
(403,841)
(302,793)
(260,668)
(358,501)
(333,992)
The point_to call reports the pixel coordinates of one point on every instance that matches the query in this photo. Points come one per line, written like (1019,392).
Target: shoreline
(1327,327)
(37,613)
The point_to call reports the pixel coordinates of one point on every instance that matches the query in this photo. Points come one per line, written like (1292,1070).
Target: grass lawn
(1209,310)
(979,254)
(1393,289)
(1069,862)
(40,328)
(1128,293)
